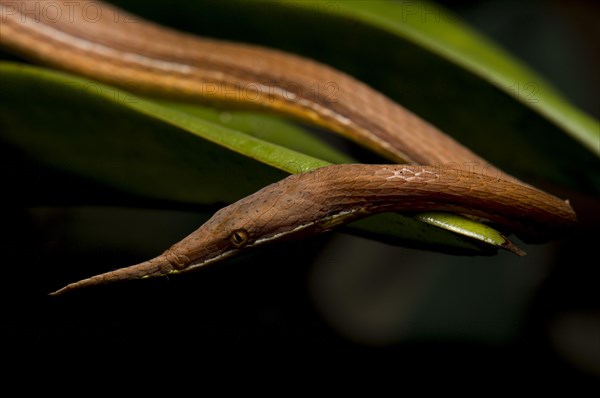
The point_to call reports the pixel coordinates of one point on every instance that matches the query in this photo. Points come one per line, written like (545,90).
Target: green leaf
(467,227)
(102,133)
(436,30)
(268,128)
(162,152)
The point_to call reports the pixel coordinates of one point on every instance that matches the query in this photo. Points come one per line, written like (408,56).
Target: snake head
(277,211)
(284,210)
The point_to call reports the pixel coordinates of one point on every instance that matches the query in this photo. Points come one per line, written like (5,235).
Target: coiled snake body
(128,50)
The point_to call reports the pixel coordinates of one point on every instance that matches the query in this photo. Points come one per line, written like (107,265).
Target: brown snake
(125,49)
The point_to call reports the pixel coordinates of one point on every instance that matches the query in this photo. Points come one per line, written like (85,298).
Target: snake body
(128,51)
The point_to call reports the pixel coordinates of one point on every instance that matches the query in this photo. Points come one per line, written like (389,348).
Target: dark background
(535,316)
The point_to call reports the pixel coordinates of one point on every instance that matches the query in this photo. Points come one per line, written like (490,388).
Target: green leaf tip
(471,228)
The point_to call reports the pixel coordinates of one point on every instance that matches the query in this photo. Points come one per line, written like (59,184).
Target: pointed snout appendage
(155,267)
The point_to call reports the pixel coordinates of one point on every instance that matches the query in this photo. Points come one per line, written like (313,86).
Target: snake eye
(239,238)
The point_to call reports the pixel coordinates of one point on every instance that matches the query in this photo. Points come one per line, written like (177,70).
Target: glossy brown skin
(161,61)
